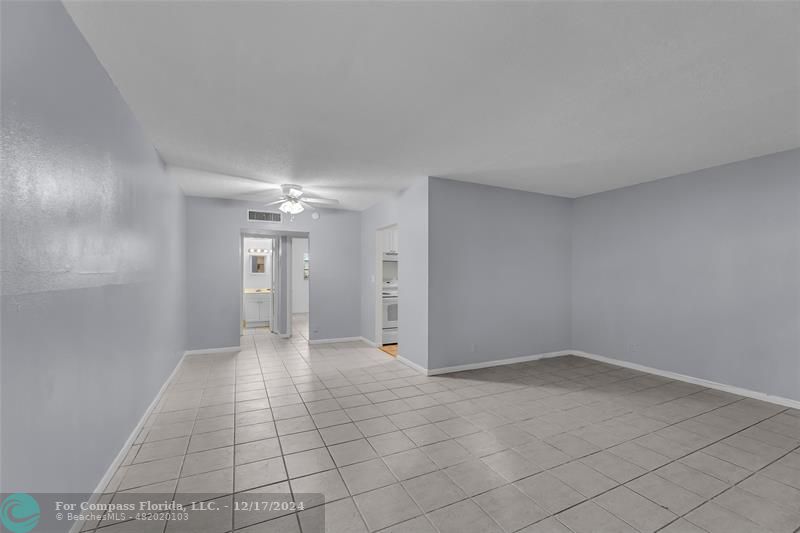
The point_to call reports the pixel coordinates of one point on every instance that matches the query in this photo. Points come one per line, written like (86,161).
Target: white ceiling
(355,100)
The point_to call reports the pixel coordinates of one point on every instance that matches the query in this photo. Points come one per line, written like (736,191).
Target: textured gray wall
(499,273)
(92,241)
(697,274)
(412,320)
(214,270)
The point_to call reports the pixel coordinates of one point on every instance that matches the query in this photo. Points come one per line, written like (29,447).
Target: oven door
(389,312)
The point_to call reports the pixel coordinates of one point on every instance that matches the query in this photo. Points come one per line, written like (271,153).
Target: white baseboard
(484,364)
(123,452)
(412,364)
(786,402)
(338,339)
(373,344)
(496,362)
(227,349)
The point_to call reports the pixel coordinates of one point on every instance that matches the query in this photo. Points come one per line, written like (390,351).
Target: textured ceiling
(355,100)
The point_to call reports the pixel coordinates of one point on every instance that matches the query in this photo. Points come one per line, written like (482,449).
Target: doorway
(257,270)
(301,274)
(387,297)
(267,284)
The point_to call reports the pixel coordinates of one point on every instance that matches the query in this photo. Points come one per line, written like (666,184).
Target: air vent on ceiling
(263,216)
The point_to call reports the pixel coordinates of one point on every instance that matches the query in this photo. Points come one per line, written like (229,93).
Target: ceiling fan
(292,200)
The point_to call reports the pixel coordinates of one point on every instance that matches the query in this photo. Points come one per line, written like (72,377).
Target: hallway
(545,445)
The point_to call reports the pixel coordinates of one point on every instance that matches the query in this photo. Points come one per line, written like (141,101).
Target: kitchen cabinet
(391,241)
(258,308)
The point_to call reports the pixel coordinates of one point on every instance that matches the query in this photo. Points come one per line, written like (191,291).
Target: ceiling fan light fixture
(291,207)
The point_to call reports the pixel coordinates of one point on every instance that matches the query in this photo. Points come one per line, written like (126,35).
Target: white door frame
(379,282)
(242,255)
(282,285)
(258,233)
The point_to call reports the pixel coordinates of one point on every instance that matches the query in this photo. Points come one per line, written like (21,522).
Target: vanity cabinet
(257,308)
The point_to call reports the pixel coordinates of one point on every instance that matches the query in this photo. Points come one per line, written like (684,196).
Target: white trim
(115,464)
(496,362)
(213,350)
(373,344)
(786,402)
(412,364)
(378,287)
(338,339)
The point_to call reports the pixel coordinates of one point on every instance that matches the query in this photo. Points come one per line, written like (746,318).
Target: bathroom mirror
(258,264)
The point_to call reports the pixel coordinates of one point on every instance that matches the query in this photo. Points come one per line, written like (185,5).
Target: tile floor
(558,445)
(299,327)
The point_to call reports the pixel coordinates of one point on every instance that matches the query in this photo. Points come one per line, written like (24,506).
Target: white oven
(389,336)
(389,312)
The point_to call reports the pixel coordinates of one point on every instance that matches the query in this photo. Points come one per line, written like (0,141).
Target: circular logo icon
(19,512)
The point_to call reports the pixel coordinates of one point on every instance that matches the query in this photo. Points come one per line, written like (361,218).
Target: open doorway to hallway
(301,274)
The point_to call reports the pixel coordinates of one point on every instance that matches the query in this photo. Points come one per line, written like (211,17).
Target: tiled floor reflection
(558,445)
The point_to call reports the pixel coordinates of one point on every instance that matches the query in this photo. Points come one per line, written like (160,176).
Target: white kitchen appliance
(390,303)
(389,336)
(390,312)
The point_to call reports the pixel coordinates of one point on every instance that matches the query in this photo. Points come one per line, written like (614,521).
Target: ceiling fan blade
(320,201)
(275,202)
(263,196)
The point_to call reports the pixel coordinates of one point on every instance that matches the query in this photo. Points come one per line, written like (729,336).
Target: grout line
(98,527)
(650,471)
(188,445)
(682,457)
(277,435)
(336,467)
(734,485)
(639,374)
(483,429)
(510,423)
(373,370)
(235,412)
(555,515)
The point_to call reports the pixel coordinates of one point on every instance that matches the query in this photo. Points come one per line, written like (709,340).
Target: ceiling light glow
(291,207)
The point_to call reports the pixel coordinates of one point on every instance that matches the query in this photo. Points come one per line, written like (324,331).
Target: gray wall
(412,320)
(213,229)
(696,274)
(376,217)
(92,317)
(499,273)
